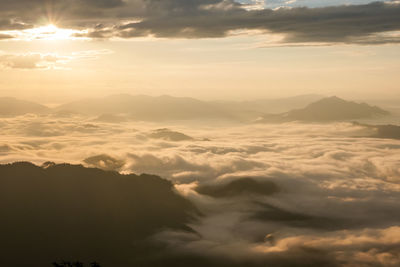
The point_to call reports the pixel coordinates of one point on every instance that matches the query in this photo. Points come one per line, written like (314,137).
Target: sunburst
(50,32)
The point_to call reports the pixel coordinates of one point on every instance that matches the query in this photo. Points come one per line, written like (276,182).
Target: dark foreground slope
(67,212)
(70,213)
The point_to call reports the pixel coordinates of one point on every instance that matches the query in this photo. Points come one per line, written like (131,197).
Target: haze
(241,133)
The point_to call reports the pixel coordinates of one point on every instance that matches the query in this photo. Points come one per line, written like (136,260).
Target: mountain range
(147,108)
(123,107)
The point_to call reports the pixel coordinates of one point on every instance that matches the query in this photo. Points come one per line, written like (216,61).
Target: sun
(50,32)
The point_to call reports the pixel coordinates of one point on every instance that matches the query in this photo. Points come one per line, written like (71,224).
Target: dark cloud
(5,36)
(8,24)
(362,24)
(347,24)
(34,11)
(327,24)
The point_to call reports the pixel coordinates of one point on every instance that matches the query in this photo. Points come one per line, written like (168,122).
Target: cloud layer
(319,194)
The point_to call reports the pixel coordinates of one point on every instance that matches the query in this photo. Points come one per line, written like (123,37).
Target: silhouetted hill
(12,107)
(168,135)
(334,109)
(70,212)
(329,109)
(243,186)
(148,108)
(389,131)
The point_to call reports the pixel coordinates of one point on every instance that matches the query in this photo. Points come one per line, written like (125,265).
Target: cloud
(322,194)
(5,36)
(10,24)
(340,24)
(105,162)
(91,54)
(45,61)
(31,60)
(374,23)
(368,247)
(5,148)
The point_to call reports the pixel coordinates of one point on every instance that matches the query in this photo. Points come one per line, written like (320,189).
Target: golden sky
(209,49)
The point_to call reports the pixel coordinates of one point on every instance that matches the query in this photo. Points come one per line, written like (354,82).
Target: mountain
(241,186)
(168,135)
(124,107)
(248,110)
(68,212)
(13,107)
(388,131)
(329,109)
(148,108)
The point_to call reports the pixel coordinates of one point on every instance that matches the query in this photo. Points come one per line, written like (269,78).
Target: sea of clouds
(336,197)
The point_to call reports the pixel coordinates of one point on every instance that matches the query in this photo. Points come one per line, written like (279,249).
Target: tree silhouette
(74,264)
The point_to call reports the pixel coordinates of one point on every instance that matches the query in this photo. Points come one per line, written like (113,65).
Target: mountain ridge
(11,106)
(124,107)
(328,109)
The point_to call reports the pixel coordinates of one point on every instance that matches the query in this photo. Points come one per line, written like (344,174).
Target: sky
(56,51)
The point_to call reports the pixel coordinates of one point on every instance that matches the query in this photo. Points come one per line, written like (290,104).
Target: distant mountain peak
(331,100)
(329,109)
(335,109)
